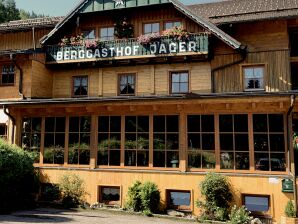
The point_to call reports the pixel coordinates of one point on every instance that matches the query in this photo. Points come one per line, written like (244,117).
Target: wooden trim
(66,141)
(151,139)
(122,151)
(42,140)
(251,143)
(217,143)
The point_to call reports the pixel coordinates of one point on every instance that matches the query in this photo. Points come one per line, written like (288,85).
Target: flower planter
(287,220)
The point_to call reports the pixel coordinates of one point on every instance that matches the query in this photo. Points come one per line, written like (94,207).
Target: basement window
(109,195)
(253,78)
(179,199)
(7,75)
(256,203)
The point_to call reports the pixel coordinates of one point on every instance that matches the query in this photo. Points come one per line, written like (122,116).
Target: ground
(83,217)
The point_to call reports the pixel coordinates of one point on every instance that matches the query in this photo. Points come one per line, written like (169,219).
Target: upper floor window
(169,25)
(293,43)
(127,84)
(80,86)
(253,77)
(151,28)
(89,34)
(107,33)
(8,75)
(179,82)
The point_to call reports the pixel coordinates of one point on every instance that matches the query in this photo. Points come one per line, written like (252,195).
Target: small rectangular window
(170,25)
(253,78)
(256,203)
(3,131)
(151,28)
(179,82)
(180,200)
(89,34)
(80,86)
(110,195)
(127,84)
(8,75)
(107,33)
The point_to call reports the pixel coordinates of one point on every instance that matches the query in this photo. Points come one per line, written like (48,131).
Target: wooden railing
(129,48)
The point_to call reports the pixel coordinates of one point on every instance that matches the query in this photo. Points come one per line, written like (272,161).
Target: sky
(62,7)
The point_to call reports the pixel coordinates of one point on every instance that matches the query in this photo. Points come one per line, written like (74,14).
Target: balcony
(123,49)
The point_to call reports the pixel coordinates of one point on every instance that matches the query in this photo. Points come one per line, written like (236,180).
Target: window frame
(73,86)
(243,78)
(119,83)
(258,213)
(14,75)
(151,22)
(178,207)
(171,81)
(109,37)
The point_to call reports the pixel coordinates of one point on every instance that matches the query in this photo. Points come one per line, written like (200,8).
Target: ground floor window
(3,131)
(178,199)
(256,203)
(109,195)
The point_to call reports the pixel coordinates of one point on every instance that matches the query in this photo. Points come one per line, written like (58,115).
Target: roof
(29,23)
(233,11)
(178,5)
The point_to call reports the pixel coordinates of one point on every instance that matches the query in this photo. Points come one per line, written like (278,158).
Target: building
(219,97)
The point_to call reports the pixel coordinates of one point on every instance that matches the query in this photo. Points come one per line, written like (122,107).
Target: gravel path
(82,217)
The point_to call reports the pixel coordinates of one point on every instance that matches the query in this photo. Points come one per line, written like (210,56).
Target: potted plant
(290,214)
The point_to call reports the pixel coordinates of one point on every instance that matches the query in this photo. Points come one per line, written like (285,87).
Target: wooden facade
(229,111)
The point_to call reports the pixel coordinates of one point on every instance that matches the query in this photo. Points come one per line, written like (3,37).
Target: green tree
(30,15)
(8,11)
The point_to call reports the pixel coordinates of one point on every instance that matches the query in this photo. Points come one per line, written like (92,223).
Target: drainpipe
(6,111)
(21,75)
(290,147)
(243,53)
(33,38)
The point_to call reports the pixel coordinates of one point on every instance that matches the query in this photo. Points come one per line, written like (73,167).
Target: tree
(27,15)
(8,11)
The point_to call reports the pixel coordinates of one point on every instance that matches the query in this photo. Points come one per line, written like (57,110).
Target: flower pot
(287,220)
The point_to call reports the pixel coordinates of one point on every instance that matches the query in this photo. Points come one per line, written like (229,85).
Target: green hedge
(17,178)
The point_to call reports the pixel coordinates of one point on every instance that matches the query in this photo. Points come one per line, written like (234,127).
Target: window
(234,147)
(109,195)
(79,140)
(3,131)
(179,82)
(269,142)
(293,42)
(179,199)
(136,141)
(89,34)
(256,203)
(169,25)
(8,75)
(253,78)
(107,33)
(54,140)
(166,141)
(31,136)
(80,86)
(127,84)
(151,28)
(109,140)
(201,143)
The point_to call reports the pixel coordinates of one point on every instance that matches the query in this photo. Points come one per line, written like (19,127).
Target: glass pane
(208,142)
(111,31)
(183,87)
(278,161)
(227,160)
(172,141)
(147,28)
(26,125)
(143,124)
(207,123)
(193,123)
(175,77)
(49,140)
(114,158)
(226,142)
(110,194)
(73,156)
(73,140)
(103,124)
(60,124)
(159,123)
(130,79)
(130,141)
(49,124)
(262,161)
(115,124)
(159,159)
(130,124)
(76,81)
(115,141)
(277,142)
(103,141)
(194,159)
(256,203)
(103,32)
(84,156)
(74,124)
(184,77)
(173,159)
(142,158)
(35,142)
(208,160)
(177,24)
(258,72)
(240,123)
(123,79)
(261,142)
(242,161)
(225,123)
(260,122)
(102,157)
(241,142)
(48,155)
(168,25)
(194,142)
(84,81)
(59,156)
(155,27)
(159,141)
(276,123)
(85,124)
(175,87)
(143,141)
(85,141)
(130,158)
(248,73)
(36,124)
(179,198)
(172,123)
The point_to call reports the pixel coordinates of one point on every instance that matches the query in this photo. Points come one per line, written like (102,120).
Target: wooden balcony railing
(129,49)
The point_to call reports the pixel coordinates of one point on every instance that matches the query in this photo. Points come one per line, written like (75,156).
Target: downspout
(33,38)
(290,146)
(6,111)
(243,53)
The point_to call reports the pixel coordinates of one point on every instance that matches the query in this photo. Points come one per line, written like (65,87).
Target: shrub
(150,196)
(290,210)
(17,178)
(217,192)
(71,187)
(240,215)
(134,198)
(50,192)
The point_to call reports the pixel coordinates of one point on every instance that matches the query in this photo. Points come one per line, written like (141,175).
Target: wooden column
(18,131)
(182,142)
(217,143)
(42,140)
(66,140)
(122,140)
(93,141)
(151,145)
(251,143)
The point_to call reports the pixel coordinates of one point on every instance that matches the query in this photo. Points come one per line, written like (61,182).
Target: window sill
(254,90)
(7,85)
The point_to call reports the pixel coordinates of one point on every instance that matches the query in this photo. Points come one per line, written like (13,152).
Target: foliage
(71,187)
(150,196)
(17,178)
(290,209)
(240,215)
(72,41)
(176,32)
(134,201)
(217,192)
(30,15)
(50,192)
(123,29)
(148,38)
(8,11)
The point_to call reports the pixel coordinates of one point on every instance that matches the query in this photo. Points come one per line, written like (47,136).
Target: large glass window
(172,24)
(79,140)
(54,142)
(269,142)
(151,28)
(109,140)
(89,34)
(201,143)
(80,86)
(166,141)
(31,136)
(253,77)
(234,147)
(136,141)
(110,195)
(256,203)
(8,75)
(107,33)
(179,199)
(179,82)
(127,84)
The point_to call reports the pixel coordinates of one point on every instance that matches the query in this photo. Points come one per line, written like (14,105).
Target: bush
(240,215)
(290,210)
(17,178)
(134,198)
(50,192)
(71,187)
(217,192)
(150,196)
